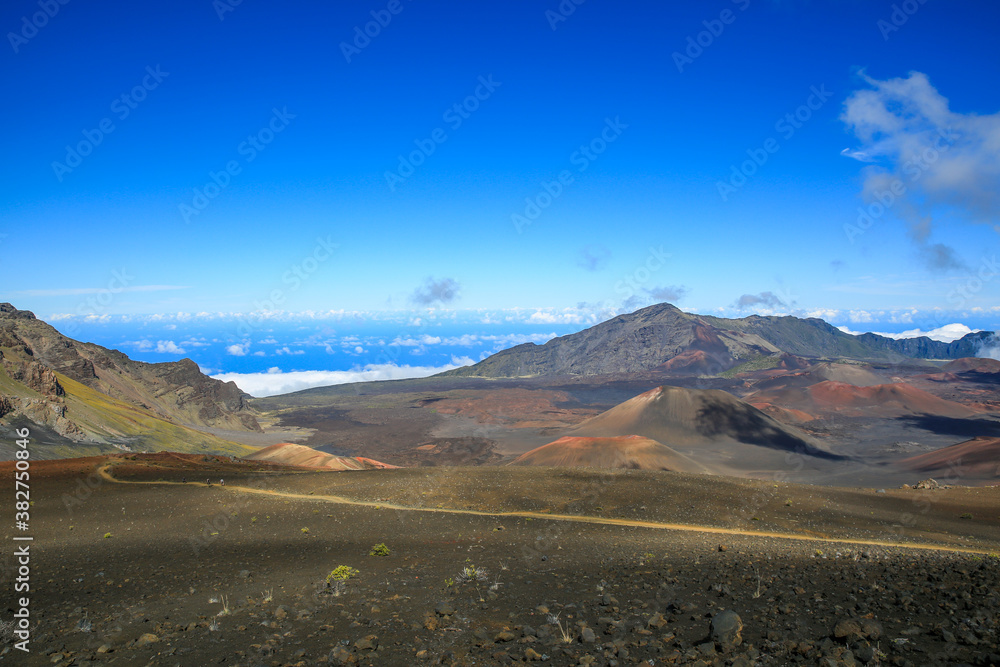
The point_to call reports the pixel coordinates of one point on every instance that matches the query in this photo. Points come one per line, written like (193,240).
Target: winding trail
(574,518)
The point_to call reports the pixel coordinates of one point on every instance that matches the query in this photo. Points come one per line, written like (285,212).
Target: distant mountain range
(664,338)
(86,398)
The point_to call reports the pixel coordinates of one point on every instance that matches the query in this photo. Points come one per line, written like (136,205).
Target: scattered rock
(444,609)
(504,636)
(146,639)
(339,656)
(656,621)
(727,630)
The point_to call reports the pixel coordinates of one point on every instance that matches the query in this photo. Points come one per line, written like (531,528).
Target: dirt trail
(632,523)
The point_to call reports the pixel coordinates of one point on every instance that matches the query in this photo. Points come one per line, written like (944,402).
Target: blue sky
(520,163)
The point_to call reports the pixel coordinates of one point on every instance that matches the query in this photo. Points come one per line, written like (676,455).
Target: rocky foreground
(177,574)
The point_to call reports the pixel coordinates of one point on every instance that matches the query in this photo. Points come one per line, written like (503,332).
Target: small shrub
(107,535)
(379,550)
(341,573)
(305,531)
(966,516)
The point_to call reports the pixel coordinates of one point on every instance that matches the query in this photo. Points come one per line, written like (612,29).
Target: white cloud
(274,381)
(941,157)
(288,351)
(168,347)
(238,350)
(823,313)
(565,316)
(410,341)
(860,316)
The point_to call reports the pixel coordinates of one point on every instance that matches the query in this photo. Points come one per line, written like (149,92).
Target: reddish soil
(517,408)
(979,457)
(298,455)
(974,364)
(884,400)
(630,451)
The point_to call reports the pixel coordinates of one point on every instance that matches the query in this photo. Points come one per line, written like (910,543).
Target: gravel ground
(181,574)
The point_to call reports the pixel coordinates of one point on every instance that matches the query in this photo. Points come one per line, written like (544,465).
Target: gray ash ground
(461,589)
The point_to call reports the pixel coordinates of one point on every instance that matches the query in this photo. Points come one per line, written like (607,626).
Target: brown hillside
(677,416)
(299,455)
(979,457)
(629,451)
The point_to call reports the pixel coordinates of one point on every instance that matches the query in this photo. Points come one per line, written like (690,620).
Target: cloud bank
(275,381)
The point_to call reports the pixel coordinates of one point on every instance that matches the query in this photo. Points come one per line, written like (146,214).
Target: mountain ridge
(91,395)
(663,337)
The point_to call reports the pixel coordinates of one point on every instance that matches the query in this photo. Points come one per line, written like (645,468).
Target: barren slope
(691,417)
(630,451)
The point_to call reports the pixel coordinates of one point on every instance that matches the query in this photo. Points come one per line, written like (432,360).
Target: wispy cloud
(939,257)
(941,158)
(766,299)
(593,257)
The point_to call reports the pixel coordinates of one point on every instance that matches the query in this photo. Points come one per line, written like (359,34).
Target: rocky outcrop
(34,376)
(33,353)
(51,413)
